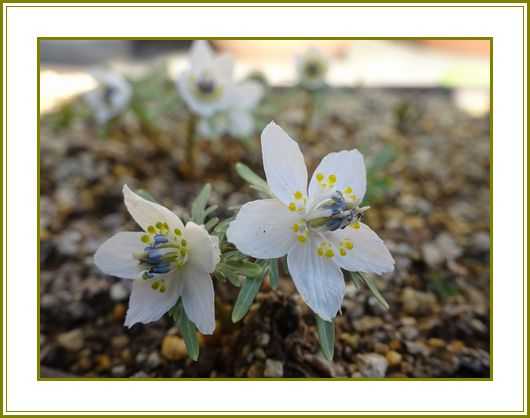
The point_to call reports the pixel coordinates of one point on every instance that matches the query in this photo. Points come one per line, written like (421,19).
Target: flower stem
(190,144)
(309,113)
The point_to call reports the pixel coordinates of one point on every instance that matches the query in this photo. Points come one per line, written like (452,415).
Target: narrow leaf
(326,336)
(370,282)
(188,331)
(274,274)
(198,207)
(246,296)
(253,179)
(244,267)
(357,279)
(211,223)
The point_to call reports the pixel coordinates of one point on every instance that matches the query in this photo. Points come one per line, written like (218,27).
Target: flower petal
(317,278)
(241,123)
(263,229)
(349,173)
(247,94)
(198,298)
(115,256)
(283,163)
(204,249)
(147,304)
(201,55)
(368,253)
(223,67)
(147,213)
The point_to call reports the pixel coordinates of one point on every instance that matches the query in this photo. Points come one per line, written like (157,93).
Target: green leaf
(244,267)
(326,336)
(370,282)
(274,274)
(187,330)
(246,296)
(211,223)
(253,179)
(198,207)
(357,280)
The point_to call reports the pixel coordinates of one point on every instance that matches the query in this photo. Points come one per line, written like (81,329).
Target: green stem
(190,143)
(309,115)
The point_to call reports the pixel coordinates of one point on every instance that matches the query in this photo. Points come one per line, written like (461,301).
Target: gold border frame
(274,6)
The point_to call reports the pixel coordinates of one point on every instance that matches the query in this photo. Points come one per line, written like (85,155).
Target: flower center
(205,87)
(108,94)
(341,212)
(313,69)
(166,251)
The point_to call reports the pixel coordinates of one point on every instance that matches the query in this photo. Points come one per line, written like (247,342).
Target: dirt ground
(429,196)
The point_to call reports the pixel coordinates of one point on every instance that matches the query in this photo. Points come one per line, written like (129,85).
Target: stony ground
(430,203)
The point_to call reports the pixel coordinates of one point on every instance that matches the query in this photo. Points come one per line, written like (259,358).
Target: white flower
(318,228)
(110,98)
(206,86)
(166,261)
(311,67)
(237,120)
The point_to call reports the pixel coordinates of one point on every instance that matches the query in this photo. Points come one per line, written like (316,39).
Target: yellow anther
(177,232)
(342,252)
(183,252)
(146,239)
(302,238)
(292,207)
(184,242)
(155,285)
(332,179)
(320,177)
(348,190)
(348,245)
(296,227)
(298,195)
(162,289)
(356,225)
(151,229)
(320,251)
(159,225)
(329,253)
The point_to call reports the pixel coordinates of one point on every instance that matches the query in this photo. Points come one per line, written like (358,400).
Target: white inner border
(506,393)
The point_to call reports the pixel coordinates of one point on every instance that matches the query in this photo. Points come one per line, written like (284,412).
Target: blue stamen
(160,239)
(161,268)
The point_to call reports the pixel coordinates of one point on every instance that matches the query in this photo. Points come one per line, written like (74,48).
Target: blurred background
(419,112)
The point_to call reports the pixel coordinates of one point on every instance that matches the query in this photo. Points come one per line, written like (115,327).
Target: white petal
(369,253)
(115,256)
(198,298)
(247,94)
(223,67)
(147,304)
(283,163)
(203,108)
(317,278)
(349,170)
(201,55)
(263,229)
(241,123)
(204,249)
(147,213)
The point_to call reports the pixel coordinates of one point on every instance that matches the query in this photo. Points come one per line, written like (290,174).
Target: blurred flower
(312,67)
(166,261)
(206,86)
(319,229)
(238,119)
(110,98)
